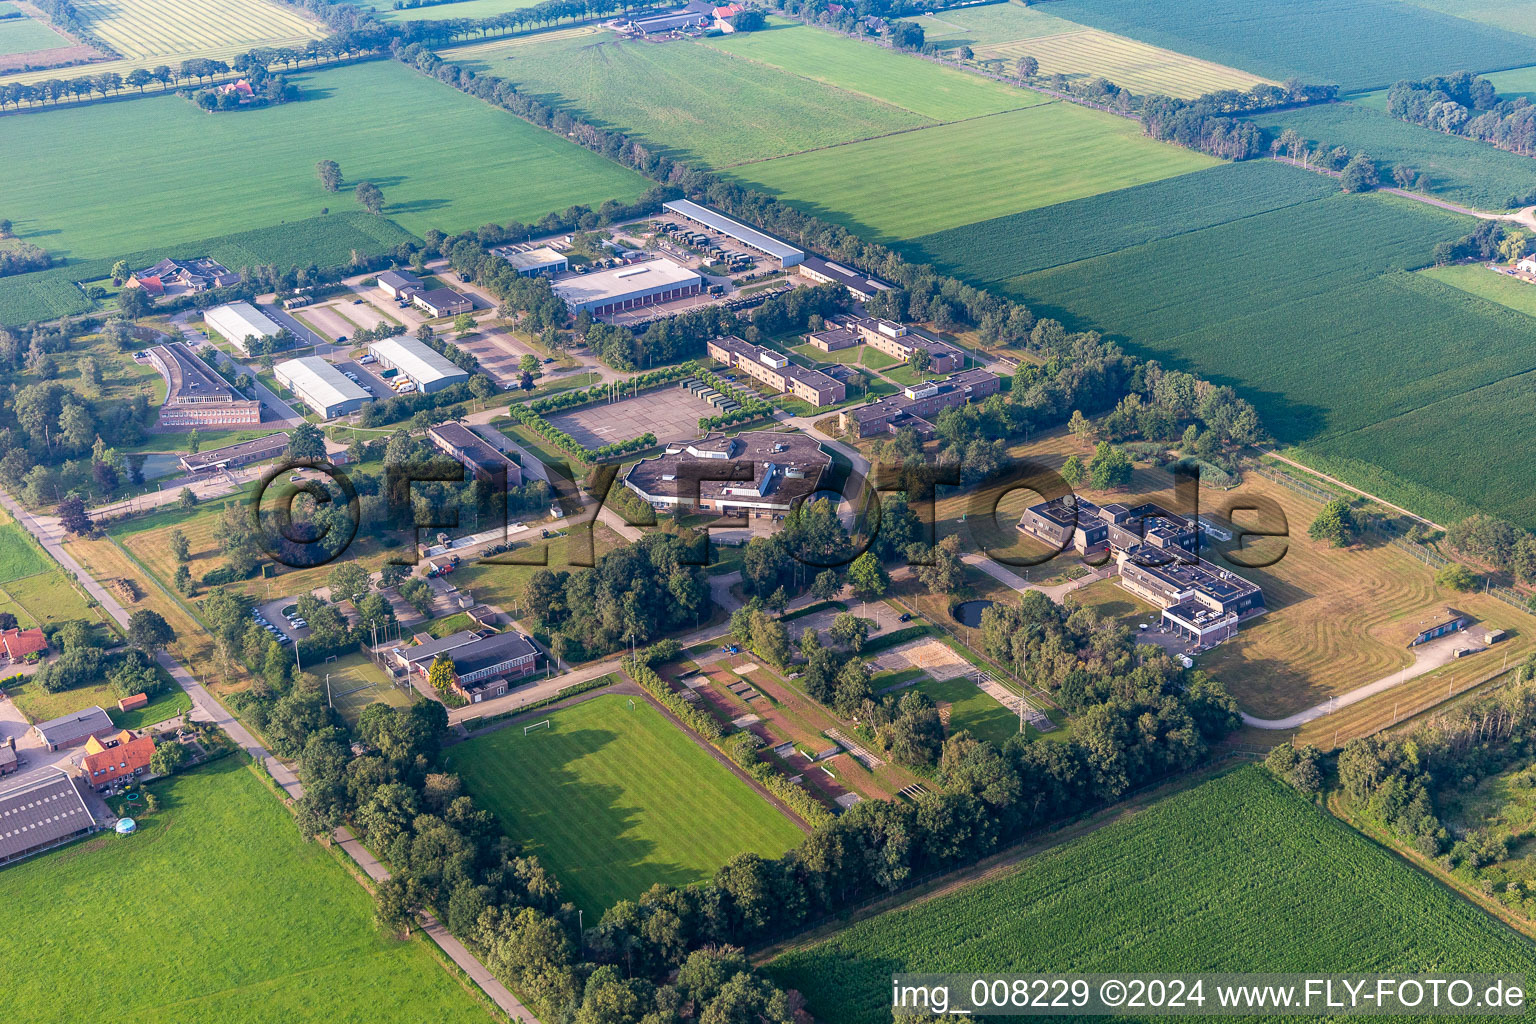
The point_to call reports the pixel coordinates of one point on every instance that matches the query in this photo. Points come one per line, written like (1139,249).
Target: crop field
(27,35)
(1461,170)
(51,598)
(1088,53)
(614,799)
(1356,44)
(1510,84)
(225,861)
(1237,874)
(1514,15)
(1307,329)
(146,33)
(1477,279)
(913,184)
(927,89)
(990,24)
(256,168)
(1022,243)
(463,9)
(695,101)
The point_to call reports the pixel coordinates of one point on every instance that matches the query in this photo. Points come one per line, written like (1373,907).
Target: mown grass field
(166,706)
(256,168)
(1514,15)
(1088,53)
(210,913)
(691,100)
(26,35)
(19,555)
(1237,874)
(1461,170)
(614,799)
(1356,44)
(970,709)
(1308,329)
(1477,279)
(1052,236)
(991,23)
(917,183)
(927,89)
(462,9)
(146,33)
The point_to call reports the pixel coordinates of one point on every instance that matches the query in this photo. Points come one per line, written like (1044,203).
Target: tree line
(1470,106)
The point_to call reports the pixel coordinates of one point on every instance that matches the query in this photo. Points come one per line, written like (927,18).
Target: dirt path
(1525,217)
(1348,487)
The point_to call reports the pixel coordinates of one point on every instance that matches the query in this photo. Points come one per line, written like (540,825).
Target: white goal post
(529,728)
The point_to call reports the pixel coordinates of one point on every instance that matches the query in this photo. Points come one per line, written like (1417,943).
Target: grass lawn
(26,35)
(928,89)
(19,555)
(52,598)
(168,705)
(87,219)
(1261,881)
(971,710)
(689,100)
(40,706)
(915,183)
(614,799)
(1477,279)
(211,913)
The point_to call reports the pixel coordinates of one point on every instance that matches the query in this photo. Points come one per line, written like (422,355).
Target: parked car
(906,616)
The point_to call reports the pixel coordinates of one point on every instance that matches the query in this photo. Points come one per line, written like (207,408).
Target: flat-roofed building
(241,324)
(425,367)
(398,284)
(835,336)
(1066,523)
(196,396)
(915,406)
(901,341)
(859,284)
(442,302)
(776,370)
(1198,599)
(41,812)
(629,287)
(475,453)
(244,453)
(321,386)
(534,262)
(777,469)
(730,227)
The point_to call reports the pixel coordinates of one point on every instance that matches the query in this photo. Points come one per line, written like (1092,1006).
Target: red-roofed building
(152,285)
(242,87)
(134,702)
(19,643)
(116,757)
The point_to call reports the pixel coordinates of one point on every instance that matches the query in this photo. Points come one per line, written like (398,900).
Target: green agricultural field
(990,24)
(930,90)
(614,799)
(462,9)
(1514,15)
(211,913)
(1460,170)
(51,599)
(1510,84)
(1477,279)
(1052,236)
(19,555)
(917,183)
(25,35)
(1237,874)
(691,100)
(265,161)
(1356,44)
(1308,329)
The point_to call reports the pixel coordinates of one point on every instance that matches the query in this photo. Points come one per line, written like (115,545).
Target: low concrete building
(230,456)
(772,471)
(422,365)
(901,341)
(1198,599)
(534,262)
(183,277)
(398,284)
(776,370)
(628,287)
(196,396)
(41,812)
(241,324)
(915,406)
(321,386)
(442,302)
(1079,524)
(482,662)
(73,729)
(860,285)
(475,453)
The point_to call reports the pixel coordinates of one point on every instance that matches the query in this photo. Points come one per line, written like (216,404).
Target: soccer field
(1237,874)
(915,183)
(216,911)
(613,799)
(218,174)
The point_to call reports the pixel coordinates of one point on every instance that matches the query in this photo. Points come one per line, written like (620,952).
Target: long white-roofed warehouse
(629,287)
(734,229)
(239,321)
(428,369)
(321,386)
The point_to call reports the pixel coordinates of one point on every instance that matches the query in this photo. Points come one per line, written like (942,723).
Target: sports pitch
(354,682)
(614,799)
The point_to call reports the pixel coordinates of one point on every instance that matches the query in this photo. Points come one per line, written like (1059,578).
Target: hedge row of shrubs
(598,392)
(752,407)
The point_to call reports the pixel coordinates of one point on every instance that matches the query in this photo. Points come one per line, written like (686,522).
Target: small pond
(968,613)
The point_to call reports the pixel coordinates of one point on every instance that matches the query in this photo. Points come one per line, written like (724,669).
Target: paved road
(206,708)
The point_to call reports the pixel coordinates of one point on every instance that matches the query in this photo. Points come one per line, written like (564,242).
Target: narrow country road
(1525,216)
(206,708)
